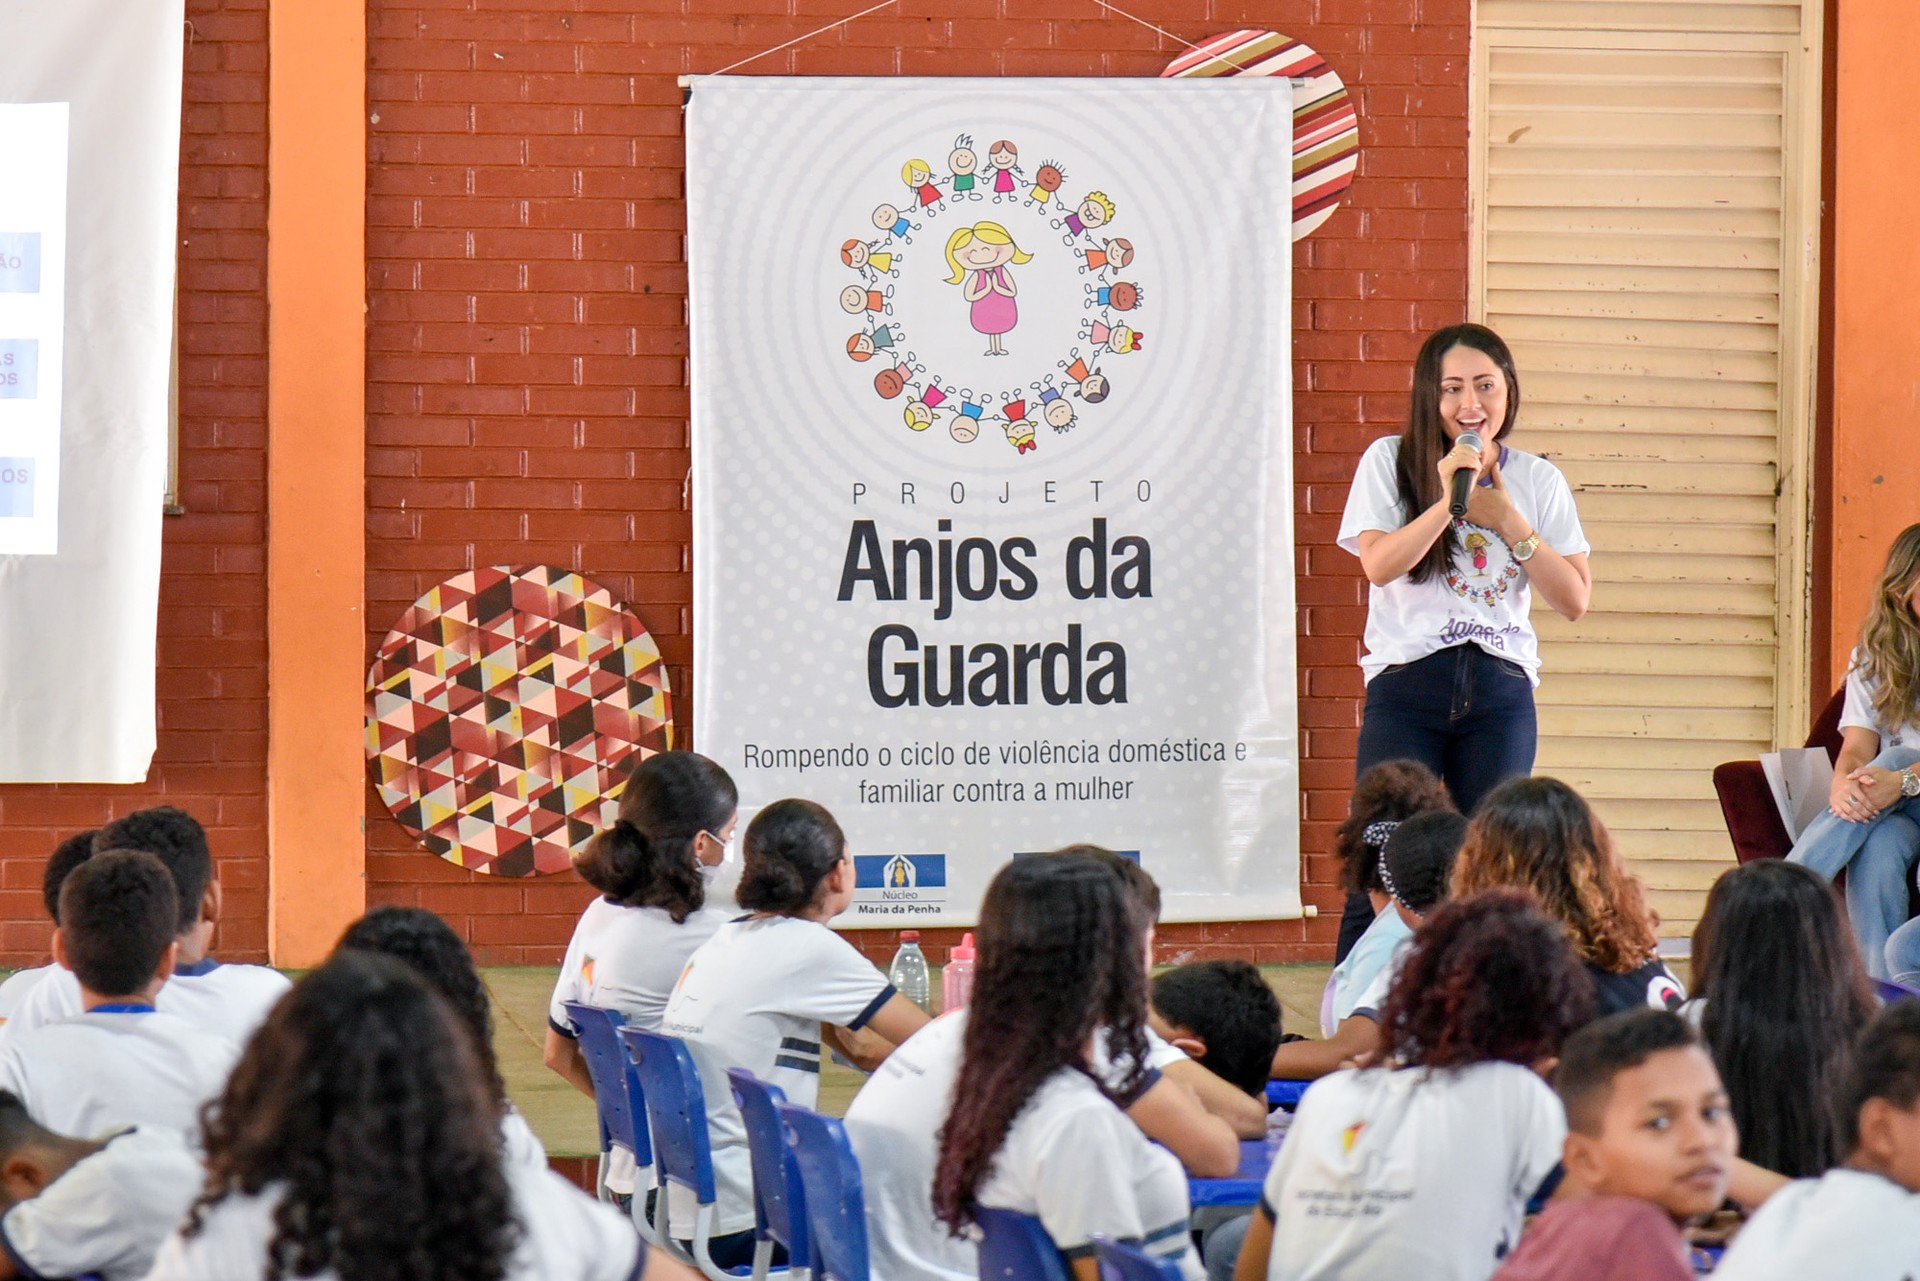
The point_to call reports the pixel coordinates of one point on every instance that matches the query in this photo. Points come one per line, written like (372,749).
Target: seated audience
(1417,862)
(1859,1221)
(1538,834)
(1650,1146)
(66,856)
(1422,1165)
(73,1207)
(422,940)
(757,994)
(231,1000)
(1384,796)
(118,1061)
(357,1142)
(1781,998)
(1029,1128)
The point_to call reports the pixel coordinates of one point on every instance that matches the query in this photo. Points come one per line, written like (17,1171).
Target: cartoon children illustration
(894,223)
(1046,182)
(1477,545)
(1089,383)
(1115,253)
(1118,339)
(979,257)
(1056,409)
(963,163)
(868,259)
(1095,211)
(966,423)
(1004,159)
(1019,427)
(854,300)
(918,175)
(891,382)
(862,346)
(1121,295)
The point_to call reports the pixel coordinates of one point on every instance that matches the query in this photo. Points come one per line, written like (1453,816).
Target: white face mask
(728,856)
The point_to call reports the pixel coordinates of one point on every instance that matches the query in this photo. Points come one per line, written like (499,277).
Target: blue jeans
(1903,955)
(1878,857)
(1465,714)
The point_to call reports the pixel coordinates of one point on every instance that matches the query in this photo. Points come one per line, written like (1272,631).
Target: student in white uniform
(230,1000)
(1452,657)
(764,992)
(67,855)
(119,1061)
(1029,1128)
(422,940)
(72,1207)
(1860,1220)
(1422,1166)
(357,1142)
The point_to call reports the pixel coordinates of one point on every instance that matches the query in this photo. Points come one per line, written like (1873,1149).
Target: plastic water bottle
(956,980)
(908,973)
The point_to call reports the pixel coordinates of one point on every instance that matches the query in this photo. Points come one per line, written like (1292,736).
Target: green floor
(563,1117)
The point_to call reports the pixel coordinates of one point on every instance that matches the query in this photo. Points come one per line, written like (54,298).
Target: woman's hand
(1861,794)
(1491,507)
(1453,460)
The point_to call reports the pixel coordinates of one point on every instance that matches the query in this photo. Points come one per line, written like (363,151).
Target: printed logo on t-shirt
(1351,1136)
(1663,993)
(1477,579)
(586,972)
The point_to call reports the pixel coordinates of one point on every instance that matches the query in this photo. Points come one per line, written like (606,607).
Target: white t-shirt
(522,1145)
(1372,999)
(111,1068)
(754,996)
(1372,956)
(627,959)
(1484,596)
(568,1237)
(18,984)
(1856,712)
(1410,1173)
(232,1000)
(109,1213)
(1078,1164)
(1846,1223)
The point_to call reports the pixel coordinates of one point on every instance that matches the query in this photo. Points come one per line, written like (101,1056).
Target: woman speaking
(1451,657)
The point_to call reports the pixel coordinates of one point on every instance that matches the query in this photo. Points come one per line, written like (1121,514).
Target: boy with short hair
(1223,1016)
(1650,1146)
(67,855)
(1860,1220)
(81,1207)
(231,1000)
(120,1061)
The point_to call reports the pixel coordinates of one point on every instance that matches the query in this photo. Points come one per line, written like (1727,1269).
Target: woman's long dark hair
(1389,792)
(1424,441)
(646,858)
(1786,999)
(361,1103)
(1062,955)
(437,954)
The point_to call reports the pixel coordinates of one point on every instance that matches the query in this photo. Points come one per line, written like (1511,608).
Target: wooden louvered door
(1645,185)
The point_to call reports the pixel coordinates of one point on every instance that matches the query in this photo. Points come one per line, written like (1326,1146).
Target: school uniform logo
(899,884)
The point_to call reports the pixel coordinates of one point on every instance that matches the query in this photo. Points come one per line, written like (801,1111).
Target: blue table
(1243,1186)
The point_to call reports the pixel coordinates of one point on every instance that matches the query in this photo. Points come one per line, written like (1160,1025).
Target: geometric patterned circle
(1326,128)
(503,710)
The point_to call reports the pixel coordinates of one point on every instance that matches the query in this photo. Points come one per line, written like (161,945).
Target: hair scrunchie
(1375,835)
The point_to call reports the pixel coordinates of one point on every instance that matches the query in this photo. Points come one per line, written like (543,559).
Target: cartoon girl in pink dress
(1004,159)
(979,257)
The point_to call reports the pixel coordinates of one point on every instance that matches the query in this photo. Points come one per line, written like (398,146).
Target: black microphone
(1464,478)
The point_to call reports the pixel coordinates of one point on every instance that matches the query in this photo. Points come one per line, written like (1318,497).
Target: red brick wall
(212,666)
(526,345)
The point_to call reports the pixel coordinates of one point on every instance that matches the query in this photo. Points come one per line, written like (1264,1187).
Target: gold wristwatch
(1909,782)
(1526,547)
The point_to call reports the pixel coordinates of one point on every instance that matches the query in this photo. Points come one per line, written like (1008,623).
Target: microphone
(1464,478)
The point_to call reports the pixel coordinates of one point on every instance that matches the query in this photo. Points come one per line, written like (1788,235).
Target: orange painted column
(316,474)
(1876,349)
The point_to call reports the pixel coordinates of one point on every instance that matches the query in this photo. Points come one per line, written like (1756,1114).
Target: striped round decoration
(1326,130)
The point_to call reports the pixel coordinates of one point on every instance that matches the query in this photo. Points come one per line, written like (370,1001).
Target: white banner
(90,95)
(992,493)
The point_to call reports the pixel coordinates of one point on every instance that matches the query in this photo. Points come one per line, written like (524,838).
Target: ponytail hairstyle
(1890,636)
(1417,468)
(1061,942)
(1390,792)
(792,846)
(646,858)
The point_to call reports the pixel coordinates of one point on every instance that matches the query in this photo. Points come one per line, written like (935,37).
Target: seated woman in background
(1780,999)
(1871,827)
(1538,834)
(1031,1128)
(357,1141)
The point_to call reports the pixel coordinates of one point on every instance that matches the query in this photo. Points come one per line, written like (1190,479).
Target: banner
(991,489)
(90,94)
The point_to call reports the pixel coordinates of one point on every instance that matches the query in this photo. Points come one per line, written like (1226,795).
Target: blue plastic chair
(1014,1247)
(618,1099)
(1119,1262)
(779,1205)
(836,1207)
(682,1146)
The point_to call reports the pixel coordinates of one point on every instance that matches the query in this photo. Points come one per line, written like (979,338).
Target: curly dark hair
(437,954)
(1230,1007)
(1786,998)
(176,838)
(360,1102)
(1061,944)
(66,856)
(790,848)
(1391,791)
(646,859)
(1490,978)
